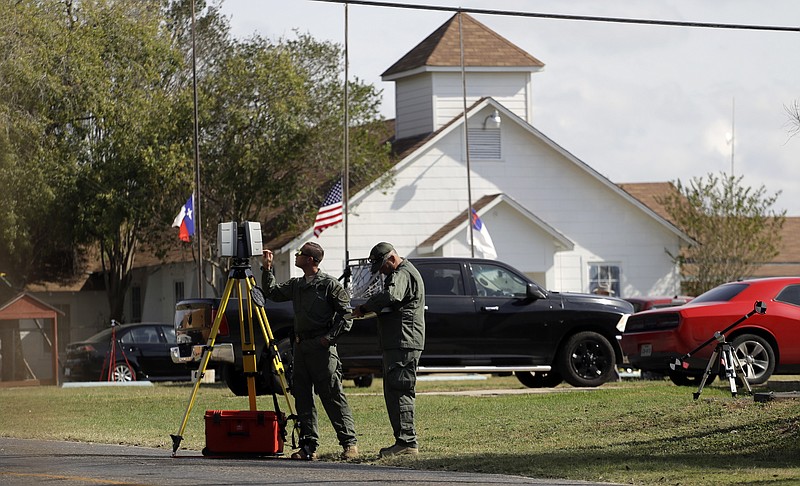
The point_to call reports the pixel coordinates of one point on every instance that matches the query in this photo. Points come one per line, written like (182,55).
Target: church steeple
(483,48)
(428,82)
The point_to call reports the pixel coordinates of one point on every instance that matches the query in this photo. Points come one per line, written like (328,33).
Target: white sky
(638,103)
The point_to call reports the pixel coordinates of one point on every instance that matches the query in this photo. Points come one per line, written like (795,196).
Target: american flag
(330,213)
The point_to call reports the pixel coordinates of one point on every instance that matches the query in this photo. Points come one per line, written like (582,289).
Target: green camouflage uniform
(401,335)
(318,307)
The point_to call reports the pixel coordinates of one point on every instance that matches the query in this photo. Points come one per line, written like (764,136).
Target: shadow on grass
(621,466)
(779,386)
(730,454)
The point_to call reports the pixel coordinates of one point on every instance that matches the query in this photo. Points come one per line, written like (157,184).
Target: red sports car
(765,343)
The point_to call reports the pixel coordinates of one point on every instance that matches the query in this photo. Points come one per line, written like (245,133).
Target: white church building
(549,213)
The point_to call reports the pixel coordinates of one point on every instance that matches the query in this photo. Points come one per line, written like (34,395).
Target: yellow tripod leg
(269,338)
(248,347)
(177,438)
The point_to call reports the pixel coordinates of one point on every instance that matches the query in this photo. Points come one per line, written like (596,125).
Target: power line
(585,18)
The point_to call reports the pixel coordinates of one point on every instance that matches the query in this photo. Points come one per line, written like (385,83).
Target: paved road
(24,462)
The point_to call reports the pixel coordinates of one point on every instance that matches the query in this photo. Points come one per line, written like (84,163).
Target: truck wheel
(287,359)
(531,379)
(266,379)
(234,380)
(237,382)
(364,381)
(586,359)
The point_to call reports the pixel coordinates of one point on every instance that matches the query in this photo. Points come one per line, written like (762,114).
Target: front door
(450,327)
(520,329)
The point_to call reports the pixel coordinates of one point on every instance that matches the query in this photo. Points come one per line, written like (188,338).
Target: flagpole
(466,136)
(346,196)
(196,197)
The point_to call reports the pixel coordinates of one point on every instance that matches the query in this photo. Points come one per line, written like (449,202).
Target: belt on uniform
(303,336)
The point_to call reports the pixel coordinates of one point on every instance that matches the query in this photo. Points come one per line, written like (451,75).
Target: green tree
(735,228)
(34,241)
(96,107)
(91,79)
(272,135)
(122,133)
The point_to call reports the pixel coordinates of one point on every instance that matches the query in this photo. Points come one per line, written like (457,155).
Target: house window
(604,279)
(178,291)
(136,304)
(484,144)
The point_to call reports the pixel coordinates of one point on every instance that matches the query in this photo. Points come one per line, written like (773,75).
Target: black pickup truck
(482,316)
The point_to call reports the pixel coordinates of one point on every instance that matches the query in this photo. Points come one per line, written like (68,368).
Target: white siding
(428,101)
(603,224)
(509,89)
(430,189)
(414,98)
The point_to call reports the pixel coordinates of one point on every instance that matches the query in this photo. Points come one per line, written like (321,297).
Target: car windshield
(723,293)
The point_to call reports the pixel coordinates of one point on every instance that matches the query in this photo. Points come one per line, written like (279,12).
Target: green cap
(379,254)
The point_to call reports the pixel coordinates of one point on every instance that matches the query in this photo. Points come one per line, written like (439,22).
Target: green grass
(639,432)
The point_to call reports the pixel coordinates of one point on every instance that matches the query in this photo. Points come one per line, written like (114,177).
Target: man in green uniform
(401,332)
(319,302)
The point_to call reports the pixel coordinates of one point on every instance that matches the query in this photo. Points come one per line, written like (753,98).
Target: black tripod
(241,274)
(724,354)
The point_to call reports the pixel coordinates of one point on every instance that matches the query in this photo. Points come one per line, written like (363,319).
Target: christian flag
(330,213)
(482,241)
(185,220)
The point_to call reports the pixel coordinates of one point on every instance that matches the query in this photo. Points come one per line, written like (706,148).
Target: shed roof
(26,306)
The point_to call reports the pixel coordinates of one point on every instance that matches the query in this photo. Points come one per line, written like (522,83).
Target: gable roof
(649,193)
(481,206)
(787,263)
(483,47)
(421,144)
(26,306)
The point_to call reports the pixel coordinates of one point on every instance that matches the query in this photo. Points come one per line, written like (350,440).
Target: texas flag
(483,242)
(185,220)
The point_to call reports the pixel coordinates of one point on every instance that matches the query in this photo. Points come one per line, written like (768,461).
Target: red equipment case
(244,432)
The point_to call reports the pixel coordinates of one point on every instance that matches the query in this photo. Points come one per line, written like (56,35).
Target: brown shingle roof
(648,192)
(482,47)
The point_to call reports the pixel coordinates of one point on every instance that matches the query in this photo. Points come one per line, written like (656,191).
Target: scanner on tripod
(240,241)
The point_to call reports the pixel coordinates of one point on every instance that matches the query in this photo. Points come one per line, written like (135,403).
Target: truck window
(442,278)
(493,280)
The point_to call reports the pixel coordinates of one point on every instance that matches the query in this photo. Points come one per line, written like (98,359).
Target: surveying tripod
(239,276)
(724,354)
(115,372)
